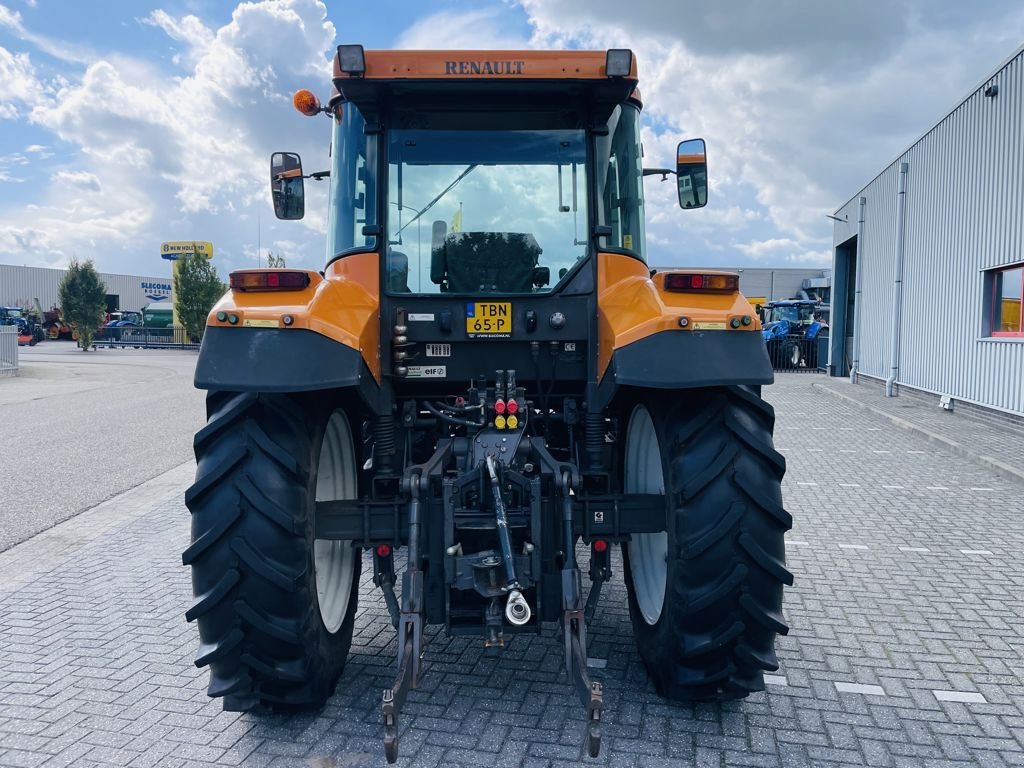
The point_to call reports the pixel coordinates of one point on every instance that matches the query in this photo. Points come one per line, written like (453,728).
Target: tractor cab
(793,317)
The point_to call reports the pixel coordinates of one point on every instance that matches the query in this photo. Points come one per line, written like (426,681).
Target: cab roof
(481,80)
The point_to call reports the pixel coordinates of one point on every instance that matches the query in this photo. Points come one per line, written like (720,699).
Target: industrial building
(774,283)
(929,259)
(21,286)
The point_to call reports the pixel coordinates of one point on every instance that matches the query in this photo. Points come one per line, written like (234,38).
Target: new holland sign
(175,250)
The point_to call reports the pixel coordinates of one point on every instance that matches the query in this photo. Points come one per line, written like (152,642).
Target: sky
(126,123)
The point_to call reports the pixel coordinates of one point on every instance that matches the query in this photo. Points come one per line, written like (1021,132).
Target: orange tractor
(487,378)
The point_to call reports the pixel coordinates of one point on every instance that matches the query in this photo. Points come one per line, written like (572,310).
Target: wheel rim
(648,552)
(334,562)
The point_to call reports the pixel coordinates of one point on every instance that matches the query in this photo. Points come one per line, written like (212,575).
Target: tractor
(791,332)
(484,385)
(29,330)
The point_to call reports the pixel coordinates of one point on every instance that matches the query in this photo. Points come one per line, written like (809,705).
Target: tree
(275,262)
(196,290)
(83,300)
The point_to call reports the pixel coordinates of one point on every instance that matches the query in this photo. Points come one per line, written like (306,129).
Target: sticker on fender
(427,372)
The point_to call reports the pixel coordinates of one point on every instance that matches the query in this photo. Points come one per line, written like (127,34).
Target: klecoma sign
(156,291)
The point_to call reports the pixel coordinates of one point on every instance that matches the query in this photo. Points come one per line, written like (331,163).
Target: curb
(1000,468)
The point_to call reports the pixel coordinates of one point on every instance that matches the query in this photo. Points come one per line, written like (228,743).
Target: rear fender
(644,344)
(331,338)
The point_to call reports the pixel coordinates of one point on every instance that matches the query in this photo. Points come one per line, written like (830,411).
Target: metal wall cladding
(964,215)
(21,285)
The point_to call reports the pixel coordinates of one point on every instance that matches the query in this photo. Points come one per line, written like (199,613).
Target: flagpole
(258,241)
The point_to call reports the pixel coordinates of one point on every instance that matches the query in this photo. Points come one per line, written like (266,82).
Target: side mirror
(286,185)
(692,174)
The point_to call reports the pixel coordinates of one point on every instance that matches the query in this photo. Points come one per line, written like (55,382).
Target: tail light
(265,280)
(687,282)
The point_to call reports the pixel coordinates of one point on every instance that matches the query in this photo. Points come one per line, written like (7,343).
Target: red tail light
(679,281)
(265,280)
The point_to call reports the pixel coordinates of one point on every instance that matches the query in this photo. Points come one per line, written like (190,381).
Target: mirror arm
(319,175)
(663,172)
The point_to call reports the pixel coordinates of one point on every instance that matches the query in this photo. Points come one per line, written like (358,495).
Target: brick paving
(996,441)
(906,649)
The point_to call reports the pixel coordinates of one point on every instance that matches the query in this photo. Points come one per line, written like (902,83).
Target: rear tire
(275,609)
(705,597)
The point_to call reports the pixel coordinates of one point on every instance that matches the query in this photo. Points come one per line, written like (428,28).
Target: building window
(1007,287)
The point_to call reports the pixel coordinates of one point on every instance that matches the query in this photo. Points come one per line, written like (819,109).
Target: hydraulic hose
(452,419)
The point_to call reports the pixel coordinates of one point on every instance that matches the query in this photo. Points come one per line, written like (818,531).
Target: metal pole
(897,289)
(858,295)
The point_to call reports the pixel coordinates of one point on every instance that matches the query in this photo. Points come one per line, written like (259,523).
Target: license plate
(488,319)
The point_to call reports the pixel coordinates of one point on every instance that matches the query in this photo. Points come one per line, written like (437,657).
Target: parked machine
(29,331)
(487,376)
(54,326)
(791,332)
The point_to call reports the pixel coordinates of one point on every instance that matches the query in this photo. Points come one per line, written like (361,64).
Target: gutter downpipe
(897,289)
(859,295)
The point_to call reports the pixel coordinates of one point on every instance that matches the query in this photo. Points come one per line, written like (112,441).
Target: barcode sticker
(439,350)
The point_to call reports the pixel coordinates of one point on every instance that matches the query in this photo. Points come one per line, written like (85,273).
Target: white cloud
(79,179)
(800,103)
(18,84)
(479,29)
(187,156)
(59,50)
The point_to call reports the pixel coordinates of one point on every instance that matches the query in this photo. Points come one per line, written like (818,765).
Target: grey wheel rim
(648,552)
(334,562)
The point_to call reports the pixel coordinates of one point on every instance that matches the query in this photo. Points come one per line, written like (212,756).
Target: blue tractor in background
(792,330)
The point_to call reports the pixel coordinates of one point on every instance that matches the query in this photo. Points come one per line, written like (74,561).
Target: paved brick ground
(910,581)
(997,441)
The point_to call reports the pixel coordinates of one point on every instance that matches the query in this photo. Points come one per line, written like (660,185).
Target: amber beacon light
(306,102)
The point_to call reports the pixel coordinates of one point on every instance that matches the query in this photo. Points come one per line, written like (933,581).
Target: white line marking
(936,488)
(597,663)
(975,552)
(914,549)
(964,697)
(893,487)
(814,450)
(799,483)
(798,543)
(916,452)
(867,690)
(982,489)
(873,429)
(841,450)
(779,680)
(853,546)
(819,428)
(881,451)
(849,485)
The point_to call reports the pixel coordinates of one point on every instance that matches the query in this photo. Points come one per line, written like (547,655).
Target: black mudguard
(688,359)
(280,360)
